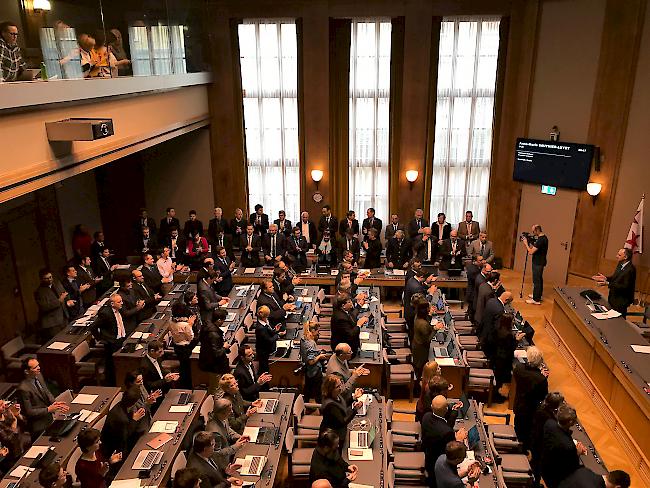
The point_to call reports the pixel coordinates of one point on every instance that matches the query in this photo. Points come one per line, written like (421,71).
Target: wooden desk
(274,453)
(160,473)
(457,373)
(68,443)
(7,390)
(606,364)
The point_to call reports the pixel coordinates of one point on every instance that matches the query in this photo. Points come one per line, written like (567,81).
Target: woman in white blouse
(182,334)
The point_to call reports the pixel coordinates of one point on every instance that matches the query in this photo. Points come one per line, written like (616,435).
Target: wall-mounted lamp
(316,176)
(594,190)
(411,177)
(42,5)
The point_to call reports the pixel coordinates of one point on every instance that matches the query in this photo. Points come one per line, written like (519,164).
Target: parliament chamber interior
(324,243)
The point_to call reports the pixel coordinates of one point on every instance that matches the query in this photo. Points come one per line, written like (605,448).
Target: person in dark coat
(501,345)
(560,455)
(53,303)
(547,410)
(373,250)
(118,434)
(249,380)
(213,356)
(584,477)
(266,336)
(327,463)
(72,285)
(344,327)
(225,266)
(531,379)
(621,282)
(494,309)
(338,410)
(278,308)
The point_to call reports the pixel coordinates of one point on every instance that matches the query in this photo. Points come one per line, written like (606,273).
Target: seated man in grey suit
(227,441)
(338,365)
(36,401)
(483,247)
(202,459)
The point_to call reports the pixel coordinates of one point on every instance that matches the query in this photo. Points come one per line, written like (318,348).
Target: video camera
(528,237)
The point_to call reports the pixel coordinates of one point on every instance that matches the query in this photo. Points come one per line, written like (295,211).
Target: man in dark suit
(621,283)
(223,239)
(119,432)
(153,376)
(393,227)
(218,222)
(584,477)
(349,242)
(249,381)
(266,336)
(398,251)
(328,222)
(308,229)
(146,242)
(560,455)
(131,306)
(425,246)
(349,223)
(53,304)
(151,275)
(202,460)
(468,230)
(36,401)
(209,299)
(436,433)
(86,275)
(494,310)
(74,289)
(177,245)
(144,221)
(168,223)
(452,251)
(237,227)
(145,294)
(297,247)
(250,245)
(485,291)
(482,247)
(259,220)
(441,229)
(472,269)
(481,278)
(225,266)
(98,245)
(344,327)
(371,222)
(193,226)
(284,225)
(416,225)
(111,331)
(273,245)
(417,284)
(104,269)
(278,308)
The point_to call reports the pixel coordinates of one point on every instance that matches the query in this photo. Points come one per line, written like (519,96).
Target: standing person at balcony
(11,60)
(104,62)
(116,46)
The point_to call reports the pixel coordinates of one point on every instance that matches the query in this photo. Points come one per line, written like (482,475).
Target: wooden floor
(562,377)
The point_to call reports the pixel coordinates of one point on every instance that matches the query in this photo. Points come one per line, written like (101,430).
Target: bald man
(321,484)
(452,252)
(144,293)
(436,433)
(494,310)
(338,365)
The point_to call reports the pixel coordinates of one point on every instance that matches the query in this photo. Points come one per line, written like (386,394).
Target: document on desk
(87,415)
(140,335)
(84,399)
(359,485)
(131,483)
(611,314)
(122,266)
(163,303)
(21,472)
(252,433)
(249,270)
(640,348)
(370,346)
(360,454)
(307,299)
(180,409)
(168,426)
(399,272)
(283,344)
(36,451)
(364,336)
(196,350)
(58,346)
(445,361)
(334,272)
(374,299)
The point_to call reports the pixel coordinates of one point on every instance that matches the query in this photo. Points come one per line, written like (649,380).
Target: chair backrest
(66,397)
(317,308)
(180,461)
(493,447)
(479,412)
(12,347)
(389,409)
(320,296)
(253,307)
(99,425)
(299,407)
(81,351)
(72,463)
(289,440)
(390,478)
(116,400)
(240,335)
(501,482)
(206,408)
(233,354)
(388,438)
(248,321)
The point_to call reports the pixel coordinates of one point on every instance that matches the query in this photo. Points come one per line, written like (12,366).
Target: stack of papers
(88,415)
(283,344)
(58,346)
(399,272)
(641,349)
(180,409)
(36,451)
(84,399)
(359,454)
(249,270)
(163,303)
(21,472)
(140,335)
(358,485)
(370,346)
(445,361)
(611,314)
(131,483)
(196,350)
(168,426)
(364,336)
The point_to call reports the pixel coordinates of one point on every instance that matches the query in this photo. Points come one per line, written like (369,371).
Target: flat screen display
(554,163)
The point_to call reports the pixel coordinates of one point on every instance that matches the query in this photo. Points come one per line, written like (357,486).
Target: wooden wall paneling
(505,194)
(11,298)
(619,54)
(48,221)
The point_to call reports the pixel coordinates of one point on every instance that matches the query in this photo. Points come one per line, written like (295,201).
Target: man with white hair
(531,378)
(308,229)
(227,441)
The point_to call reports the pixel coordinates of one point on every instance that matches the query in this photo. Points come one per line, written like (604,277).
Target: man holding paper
(621,282)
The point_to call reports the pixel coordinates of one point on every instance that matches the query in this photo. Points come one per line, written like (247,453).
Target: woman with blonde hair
(312,360)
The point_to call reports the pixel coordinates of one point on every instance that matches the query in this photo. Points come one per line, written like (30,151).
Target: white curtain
(369,116)
(269,66)
(467,68)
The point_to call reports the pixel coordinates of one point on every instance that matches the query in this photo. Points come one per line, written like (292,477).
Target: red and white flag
(634,239)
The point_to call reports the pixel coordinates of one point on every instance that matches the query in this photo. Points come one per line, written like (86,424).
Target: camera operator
(537,246)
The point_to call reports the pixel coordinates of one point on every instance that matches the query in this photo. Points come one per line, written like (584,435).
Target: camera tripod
(523,277)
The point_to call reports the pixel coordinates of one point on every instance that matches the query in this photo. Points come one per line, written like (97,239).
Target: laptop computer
(462,412)
(184,398)
(236,303)
(444,352)
(473,438)
(242,292)
(361,439)
(61,427)
(44,459)
(261,435)
(268,405)
(147,459)
(252,465)
(452,272)
(158,316)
